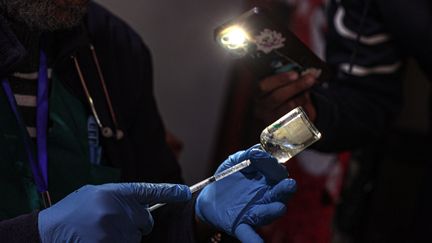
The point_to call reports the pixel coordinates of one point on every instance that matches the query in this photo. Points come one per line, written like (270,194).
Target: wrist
(204,231)
(23,228)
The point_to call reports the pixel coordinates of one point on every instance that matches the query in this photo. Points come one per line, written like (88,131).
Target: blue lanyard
(39,165)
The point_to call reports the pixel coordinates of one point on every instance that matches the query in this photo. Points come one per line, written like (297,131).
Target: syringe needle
(200,185)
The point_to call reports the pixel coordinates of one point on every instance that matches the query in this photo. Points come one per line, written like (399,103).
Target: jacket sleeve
(20,229)
(360,102)
(411,25)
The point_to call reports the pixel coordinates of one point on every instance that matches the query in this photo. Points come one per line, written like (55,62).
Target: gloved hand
(250,198)
(107,213)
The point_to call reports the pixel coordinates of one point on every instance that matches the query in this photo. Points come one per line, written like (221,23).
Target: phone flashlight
(268,46)
(234,36)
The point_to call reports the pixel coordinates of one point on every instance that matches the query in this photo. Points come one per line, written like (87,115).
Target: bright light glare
(234,37)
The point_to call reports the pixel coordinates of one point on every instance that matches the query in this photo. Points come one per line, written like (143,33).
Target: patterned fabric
(24,86)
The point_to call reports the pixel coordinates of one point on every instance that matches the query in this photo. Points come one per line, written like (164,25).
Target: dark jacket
(142,155)
(356,108)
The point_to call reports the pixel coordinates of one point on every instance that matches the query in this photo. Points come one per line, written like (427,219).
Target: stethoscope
(107,132)
(39,161)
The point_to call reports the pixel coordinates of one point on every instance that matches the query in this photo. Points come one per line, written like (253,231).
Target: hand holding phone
(285,68)
(282,92)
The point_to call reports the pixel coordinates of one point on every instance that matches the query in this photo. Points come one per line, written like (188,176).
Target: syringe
(200,185)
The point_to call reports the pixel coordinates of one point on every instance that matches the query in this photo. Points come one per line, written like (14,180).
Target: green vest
(69,165)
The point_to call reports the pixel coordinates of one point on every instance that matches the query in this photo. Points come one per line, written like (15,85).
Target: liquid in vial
(289,135)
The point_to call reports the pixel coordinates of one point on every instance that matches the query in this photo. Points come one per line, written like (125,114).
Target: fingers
(304,100)
(286,92)
(252,152)
(143,220)
(309,107)
(262,164)
(269,111)
(232,160)
(282,93)
(270,168)
(246,234)
(147,193)
(292,80)
(273,82)
(281,192)
(263,214)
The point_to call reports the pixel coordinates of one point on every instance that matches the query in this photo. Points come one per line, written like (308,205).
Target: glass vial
(289,135)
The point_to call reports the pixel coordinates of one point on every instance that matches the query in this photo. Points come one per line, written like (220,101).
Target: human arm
(23,229)
(356,106)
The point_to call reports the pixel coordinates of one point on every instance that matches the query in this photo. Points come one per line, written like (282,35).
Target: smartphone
(267,46)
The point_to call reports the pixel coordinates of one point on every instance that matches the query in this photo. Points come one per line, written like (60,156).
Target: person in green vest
(82,148)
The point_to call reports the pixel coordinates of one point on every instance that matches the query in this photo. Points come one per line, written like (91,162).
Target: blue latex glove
(107,213)
(250,198)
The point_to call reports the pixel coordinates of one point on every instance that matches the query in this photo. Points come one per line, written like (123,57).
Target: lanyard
(39,165)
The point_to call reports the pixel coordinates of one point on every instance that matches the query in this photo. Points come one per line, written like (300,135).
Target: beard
(44,15)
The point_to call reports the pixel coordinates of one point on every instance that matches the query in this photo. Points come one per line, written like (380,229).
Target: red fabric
(310,211)
(309,214)
(301,22)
